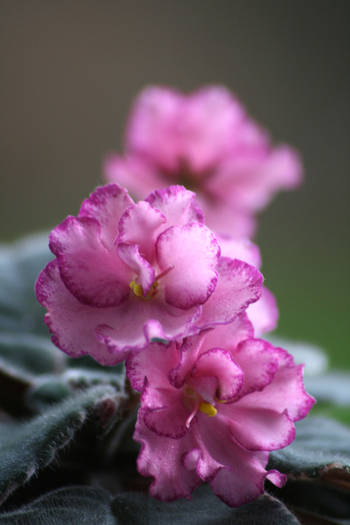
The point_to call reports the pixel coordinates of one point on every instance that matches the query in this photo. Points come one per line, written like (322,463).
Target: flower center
(138,290)
(208,409)
(195,403)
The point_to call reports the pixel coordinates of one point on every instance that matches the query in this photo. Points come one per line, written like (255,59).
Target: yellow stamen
(138,290)
(208,409)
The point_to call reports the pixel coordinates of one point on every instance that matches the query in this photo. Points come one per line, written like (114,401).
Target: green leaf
(67,506)
(318,468)
(203,509)
(26,355)
(321,446)
(33,371)
(79,505)
(28,447)
(20,264)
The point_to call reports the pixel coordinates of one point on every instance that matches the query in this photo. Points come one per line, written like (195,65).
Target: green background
(71,69)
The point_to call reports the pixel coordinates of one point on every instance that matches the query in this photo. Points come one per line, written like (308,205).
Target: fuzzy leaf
(321,447)
(79,505)
(318,468)
(67,506)
(28,447)
(203,509)
(26,355)
(20,264)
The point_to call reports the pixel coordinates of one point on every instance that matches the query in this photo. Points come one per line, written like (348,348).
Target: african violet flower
(207,142)
(129,273)
(211,411)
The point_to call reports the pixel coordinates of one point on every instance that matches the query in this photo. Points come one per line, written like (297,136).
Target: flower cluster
(149,283)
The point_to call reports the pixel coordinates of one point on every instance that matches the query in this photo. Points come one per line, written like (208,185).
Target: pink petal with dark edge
(177,204)
(106,204)
(163,459)
(239,285)
(94,274)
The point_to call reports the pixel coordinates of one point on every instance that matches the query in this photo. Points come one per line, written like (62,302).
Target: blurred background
(70,69)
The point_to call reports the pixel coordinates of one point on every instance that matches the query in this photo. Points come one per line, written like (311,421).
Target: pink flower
(207,142)
(211,411)
(126,274)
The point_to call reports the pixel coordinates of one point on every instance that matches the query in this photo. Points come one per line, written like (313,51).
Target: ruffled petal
(141,224)
(106,204)
(265,360)
(216,363)
(139,322)
(239,285)
(229,335)
(164,411)
(71,323)
(163,459)
(154,363)
(258,428)
(286,392)
(242,475)
(93,274)
(192,252)
(264,313)
(177,204)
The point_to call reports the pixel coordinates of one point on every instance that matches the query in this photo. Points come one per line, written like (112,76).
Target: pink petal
(224,218)
(258,428)
(141,224)
(153,126)
(241,478)
(208,121)
(137,322)
(164,412)
(265,358)
(217,363)
(145,275)
(239,284)
(93,274)
(193,253)
(285,392)
(71,323)
(133,173)
(248,181)
(163,459)
(177,204)
(155,362)
(241,249)
(264,313)
(228,335)
(106,204)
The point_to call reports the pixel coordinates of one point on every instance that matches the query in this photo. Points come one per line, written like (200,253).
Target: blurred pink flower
(126,274)
(211,411)
(207,142)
